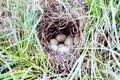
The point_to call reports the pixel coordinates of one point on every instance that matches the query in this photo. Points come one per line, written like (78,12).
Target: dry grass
(62,19)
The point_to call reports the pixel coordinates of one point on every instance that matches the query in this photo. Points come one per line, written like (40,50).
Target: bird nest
(53,24)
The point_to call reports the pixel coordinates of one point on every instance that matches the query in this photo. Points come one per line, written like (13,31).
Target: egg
(60,37)
(53,42)
(63,49)
(68,41)
(75,41)
(60,45)
(54,47)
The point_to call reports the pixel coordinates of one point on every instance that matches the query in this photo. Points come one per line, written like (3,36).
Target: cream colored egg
(60,45)
(68,41)
(63,49)
(53,42)
(60,37)
(54,47)
(75,41)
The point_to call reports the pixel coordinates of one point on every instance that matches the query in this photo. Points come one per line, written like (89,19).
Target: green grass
(22,56)
(21,42)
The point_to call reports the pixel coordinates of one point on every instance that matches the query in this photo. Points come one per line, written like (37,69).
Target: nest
(55,21)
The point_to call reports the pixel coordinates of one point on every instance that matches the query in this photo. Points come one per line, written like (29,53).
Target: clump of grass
(22,56)
(102,43)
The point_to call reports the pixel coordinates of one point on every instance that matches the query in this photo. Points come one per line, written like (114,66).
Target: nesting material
(59,44)
(60,35)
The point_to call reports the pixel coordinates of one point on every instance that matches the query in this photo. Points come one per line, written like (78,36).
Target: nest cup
(56,21)
(48,31)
